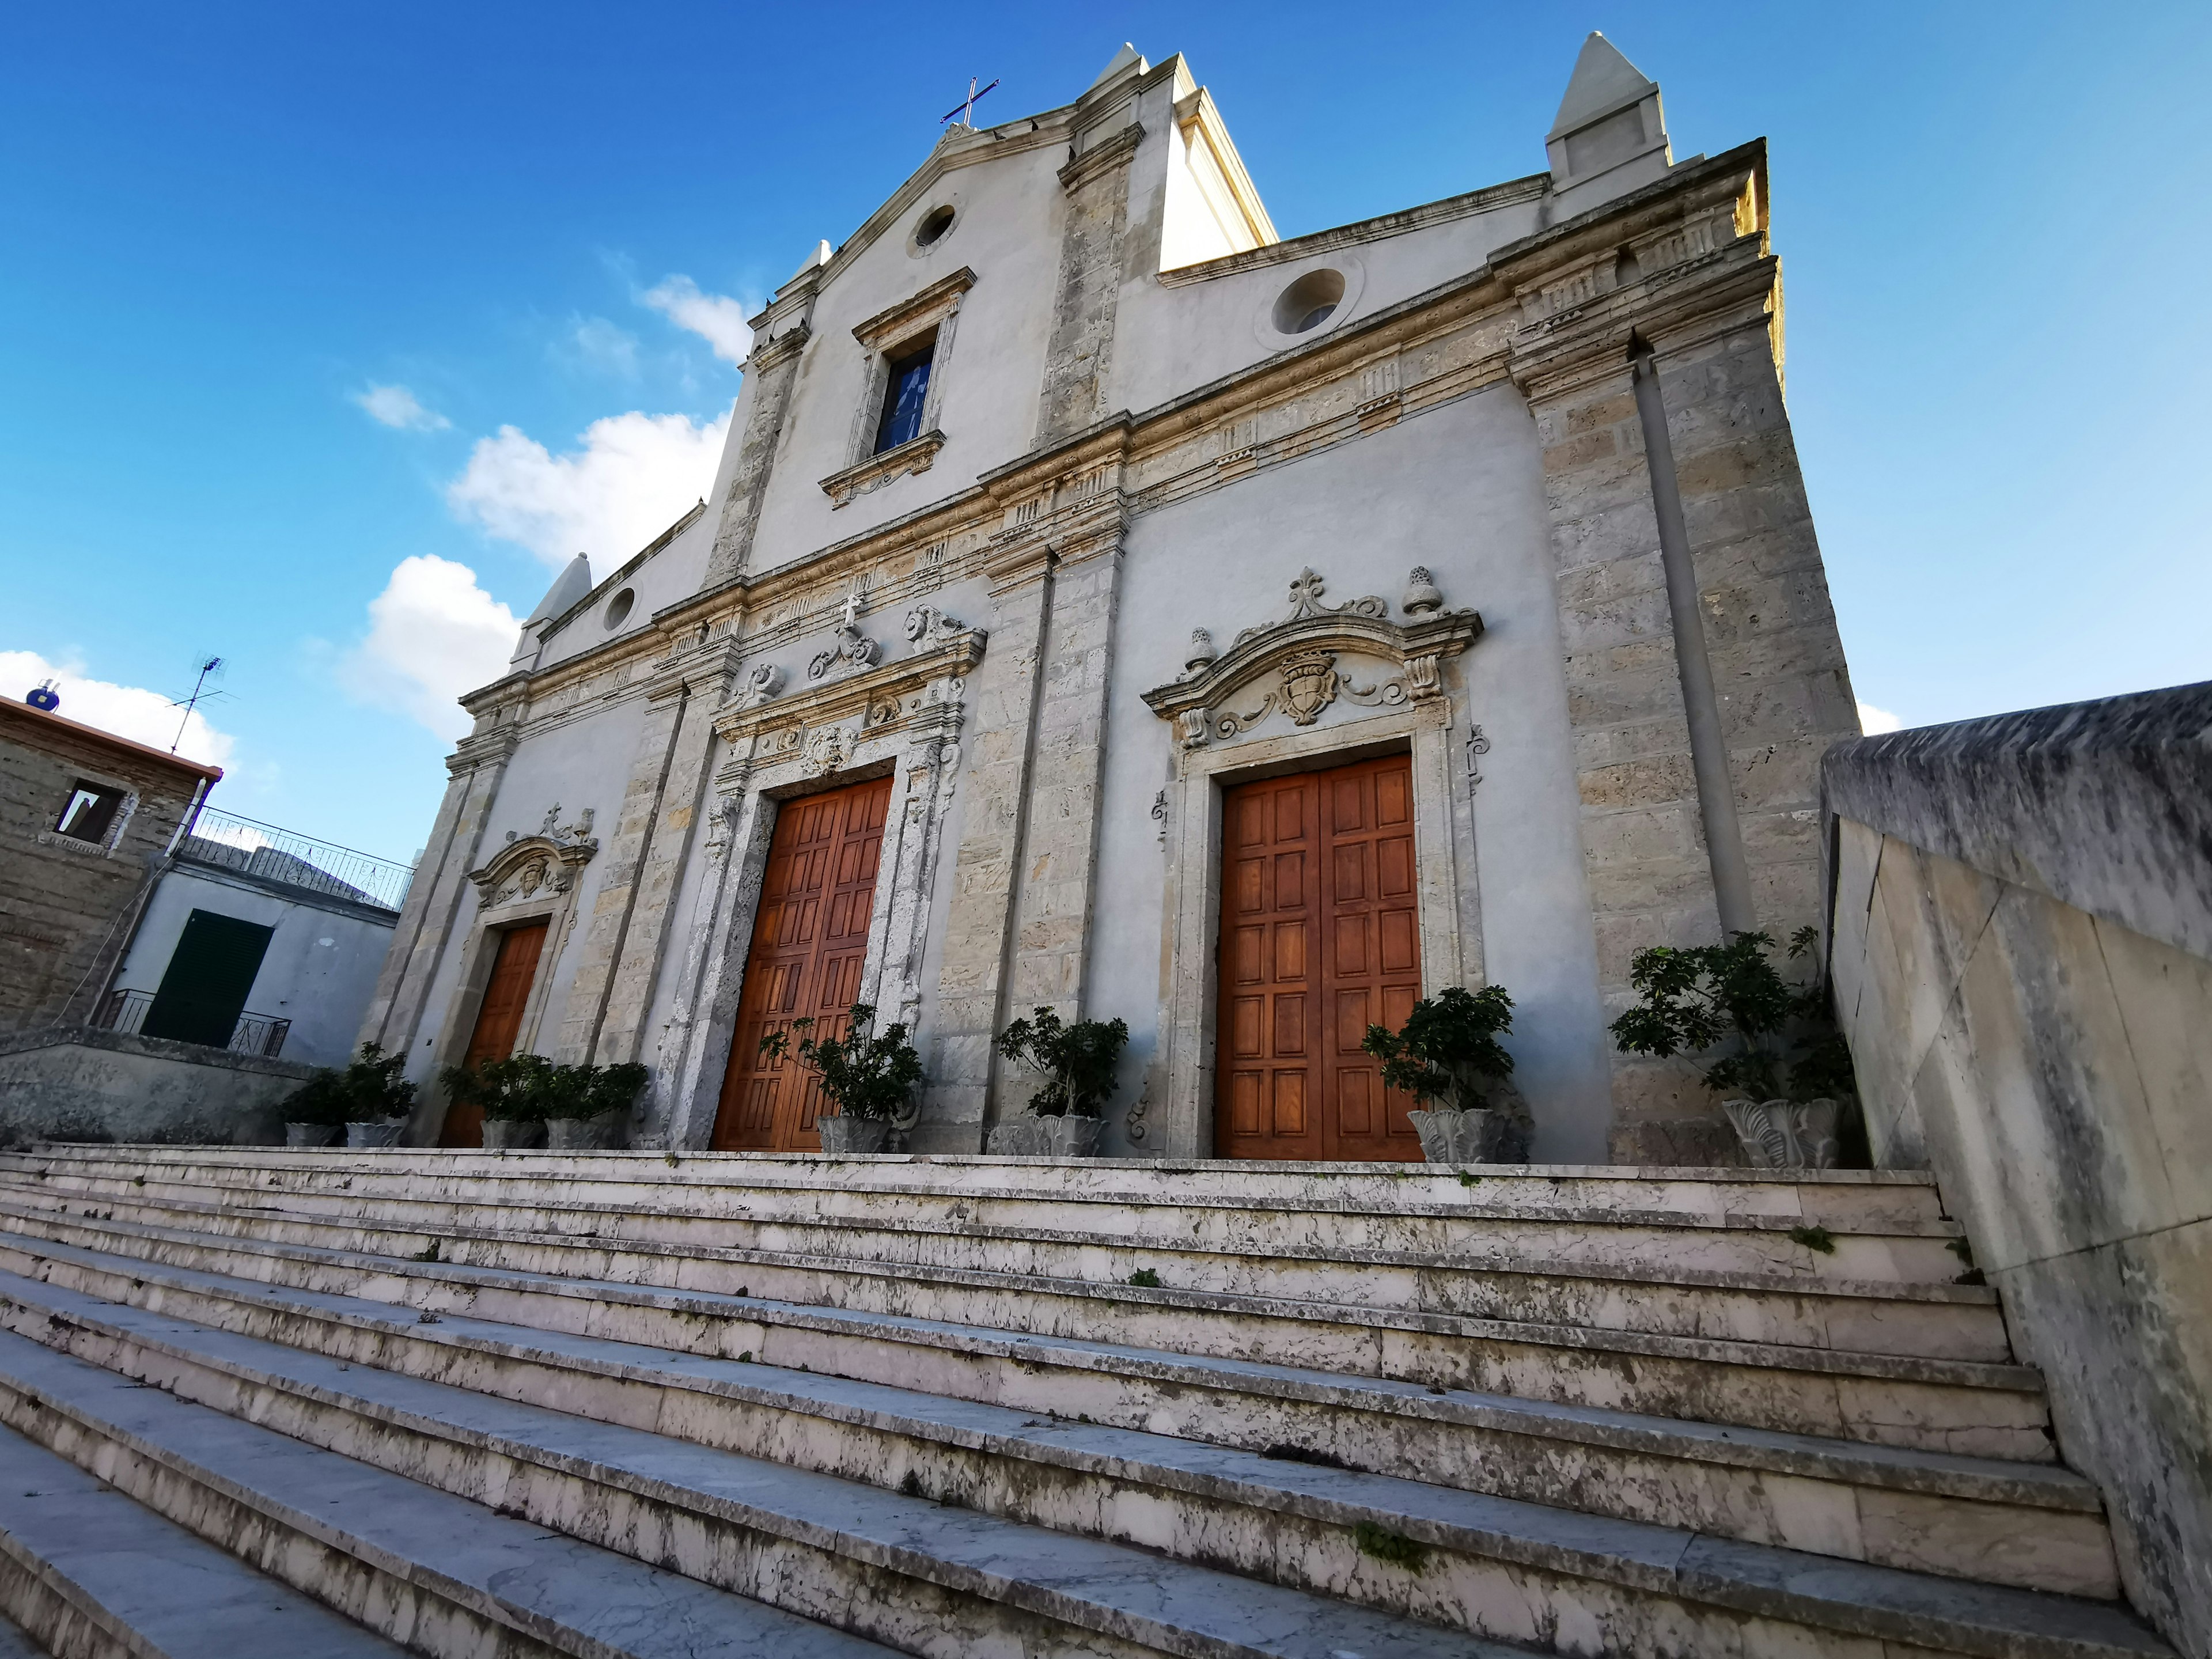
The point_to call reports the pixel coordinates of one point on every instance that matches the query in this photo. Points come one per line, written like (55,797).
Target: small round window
(618,608)
(935,224)
(1307,303)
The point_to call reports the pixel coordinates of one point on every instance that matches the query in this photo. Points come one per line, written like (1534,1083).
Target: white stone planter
(310,1134)
(1030,1136)
(1450,1135)
(1785,1134)
(386,1134)
(852,1137)
(513,1134)
(587,1134)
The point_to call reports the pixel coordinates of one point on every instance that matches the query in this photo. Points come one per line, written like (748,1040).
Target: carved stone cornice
(1101,158)
(1296,656)
(914,313)
(766,354)
(528,866)
(914,455)
(887,697)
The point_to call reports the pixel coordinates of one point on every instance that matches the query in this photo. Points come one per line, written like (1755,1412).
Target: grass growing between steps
(1384,1545)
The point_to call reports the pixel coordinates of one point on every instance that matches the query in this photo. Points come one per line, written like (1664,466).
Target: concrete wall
(2022,955)
(74,1084)
(319,969)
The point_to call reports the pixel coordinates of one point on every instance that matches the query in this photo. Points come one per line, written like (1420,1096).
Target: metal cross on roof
(966,109)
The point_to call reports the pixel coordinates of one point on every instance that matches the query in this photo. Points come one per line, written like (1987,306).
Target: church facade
(1105,603)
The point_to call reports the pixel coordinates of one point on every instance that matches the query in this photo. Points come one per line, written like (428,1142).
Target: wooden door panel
(499,1022)
(1319,940)
(808,956)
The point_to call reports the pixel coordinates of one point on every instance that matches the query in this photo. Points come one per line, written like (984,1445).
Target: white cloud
(714,317)
(594,342)
(128,711)
(396,406)
(633,476)
(433,635)
(1873,721)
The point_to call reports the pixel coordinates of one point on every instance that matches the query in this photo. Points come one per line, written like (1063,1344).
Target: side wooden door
(499,1020)
(810,945)
(1319,939)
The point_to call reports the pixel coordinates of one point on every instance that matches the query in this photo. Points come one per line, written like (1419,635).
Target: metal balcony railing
(231,843)
(254,1033)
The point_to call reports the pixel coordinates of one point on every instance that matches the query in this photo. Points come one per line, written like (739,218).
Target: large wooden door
(1319,939)
(810,943)
(499,1020)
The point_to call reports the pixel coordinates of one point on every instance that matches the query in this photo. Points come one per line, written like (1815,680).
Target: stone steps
(2032,1525)
(1693,1238)
(1835,1198)
(1934,1320)
(931,1578)
(435,1573)
(85,1571)
(1972,1409)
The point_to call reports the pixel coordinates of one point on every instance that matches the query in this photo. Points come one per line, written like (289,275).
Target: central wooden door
(810,944)
(1319,938)
(499,1021)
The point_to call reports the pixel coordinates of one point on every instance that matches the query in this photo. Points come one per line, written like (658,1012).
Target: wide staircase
(643,1404)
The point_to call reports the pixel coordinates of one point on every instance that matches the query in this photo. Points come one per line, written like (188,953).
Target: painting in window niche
(906,389)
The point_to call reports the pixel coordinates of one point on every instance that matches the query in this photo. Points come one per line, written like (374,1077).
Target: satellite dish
(45,699)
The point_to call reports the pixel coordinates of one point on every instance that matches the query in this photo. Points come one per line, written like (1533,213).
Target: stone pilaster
(972,980)
(1698,288)
(771,371)
(474,771)
(1080,356)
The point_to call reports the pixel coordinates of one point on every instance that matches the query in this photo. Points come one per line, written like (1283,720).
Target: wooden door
(499,1021)
(810,944)
(1319,938)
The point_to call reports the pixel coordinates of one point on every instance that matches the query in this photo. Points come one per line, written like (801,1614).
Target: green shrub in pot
(868,1075)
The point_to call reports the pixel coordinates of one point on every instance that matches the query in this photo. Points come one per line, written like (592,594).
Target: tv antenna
(209,668)
(965,110)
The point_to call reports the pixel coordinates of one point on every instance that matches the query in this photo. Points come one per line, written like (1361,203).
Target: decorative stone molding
(916,314)
(1784,1134)
(1297,657)
(853,647)
(914,455)
(1107,153)
(927,625)
(547,862)
(763,684)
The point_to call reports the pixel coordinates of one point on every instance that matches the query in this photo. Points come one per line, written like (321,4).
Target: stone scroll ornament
(1785,1134)
(854,648)
(1293,662)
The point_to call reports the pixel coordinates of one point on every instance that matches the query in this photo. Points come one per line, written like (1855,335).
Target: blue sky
(332,328)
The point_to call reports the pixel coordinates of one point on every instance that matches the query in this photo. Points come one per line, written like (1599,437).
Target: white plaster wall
(319,970)
(669,577)
(1007,231)
(1458,489)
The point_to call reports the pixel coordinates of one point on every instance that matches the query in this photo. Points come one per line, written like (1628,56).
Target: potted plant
(377,1098)
(1774,1057)
(869,1076)
(315,1112)
(513,1092)
(1066,1115)
(587,1108)
(1447,1055)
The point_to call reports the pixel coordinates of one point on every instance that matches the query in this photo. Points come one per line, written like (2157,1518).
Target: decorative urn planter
(310,1134)
(852,1137)
(586,1134)
(1785,1134)
(1028,1135)
(513,1134)
(385,1133)
(1450,1135)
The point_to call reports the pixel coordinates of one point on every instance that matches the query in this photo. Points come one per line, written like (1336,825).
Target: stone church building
(1107,603)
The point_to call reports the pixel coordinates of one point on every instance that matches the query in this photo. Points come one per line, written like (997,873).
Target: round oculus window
(618,608)
(935,224)
(1307,303)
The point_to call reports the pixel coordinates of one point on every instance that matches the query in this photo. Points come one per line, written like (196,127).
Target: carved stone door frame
(903,717)
(1294,667)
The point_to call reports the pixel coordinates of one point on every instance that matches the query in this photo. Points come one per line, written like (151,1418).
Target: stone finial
(1422,595)
(1202,655)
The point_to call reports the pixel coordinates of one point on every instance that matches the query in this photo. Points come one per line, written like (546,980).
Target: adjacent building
(1107,603)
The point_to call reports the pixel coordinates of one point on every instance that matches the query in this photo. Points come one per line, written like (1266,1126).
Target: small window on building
(90,813)
(906,388)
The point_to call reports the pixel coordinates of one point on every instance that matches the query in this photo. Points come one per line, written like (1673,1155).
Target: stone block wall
(72,1084)
(2022,955)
